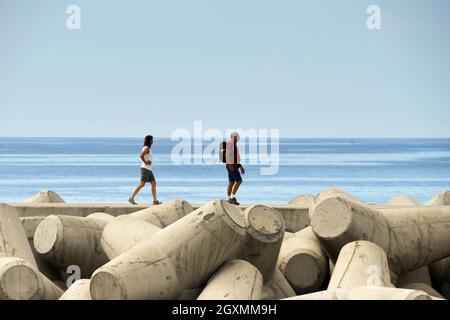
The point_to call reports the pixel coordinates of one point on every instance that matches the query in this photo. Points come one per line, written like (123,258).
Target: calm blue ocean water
(107,169)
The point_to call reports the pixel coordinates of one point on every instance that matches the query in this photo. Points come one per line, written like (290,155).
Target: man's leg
(236,187)
(230,188)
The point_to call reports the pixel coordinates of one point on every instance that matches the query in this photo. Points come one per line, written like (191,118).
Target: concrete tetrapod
(440,270)
(164,214)
(330,193)
(277,287)
(306,200)
(20,280)
(288,235)
(30,224)
(338,221)
(444,289)
(441,199)
(383,293)
(421,275)
(425,288)
(181,256)
(402,200)
(123,233)
(360,264)
(101,219)
(335,192)
(79,290)
(235,280)
(303,262)
(13,240)
(264,235)
(68,240)
(365,293)
(45,196)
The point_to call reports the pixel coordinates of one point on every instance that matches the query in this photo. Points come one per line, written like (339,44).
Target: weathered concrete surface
(20,280)
(47,269)
(303,262)
(30,224)
(402,200)
(421,275)
(190,294)
(164,214)
(425,287)
(73,209)
(277,287)
(360,264)
(288,235)
(296,217)
(79,290)
(235,280)
(384,293)
(334,192)
(337,294)
(101,219)
(338,221)
(123,233)
(64,241)
(264,234)
(365,293)
(444,289)
(45,196)
(60,284)
(304,200)
(330,193)
(181,256)
(13,239)
(441,199)
(440,270)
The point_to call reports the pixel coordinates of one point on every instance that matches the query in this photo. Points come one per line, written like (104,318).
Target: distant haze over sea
(107,169)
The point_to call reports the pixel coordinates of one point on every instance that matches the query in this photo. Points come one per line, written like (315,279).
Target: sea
(105,170)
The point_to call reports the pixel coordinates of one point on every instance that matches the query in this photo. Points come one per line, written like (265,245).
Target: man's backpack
(223,152)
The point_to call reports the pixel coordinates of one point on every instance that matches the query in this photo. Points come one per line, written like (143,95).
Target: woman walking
(146,171)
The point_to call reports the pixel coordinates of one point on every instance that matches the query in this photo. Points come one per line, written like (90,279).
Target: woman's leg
(137,189)
(153,182)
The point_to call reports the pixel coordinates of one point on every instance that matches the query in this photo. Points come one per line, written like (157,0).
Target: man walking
(233,165)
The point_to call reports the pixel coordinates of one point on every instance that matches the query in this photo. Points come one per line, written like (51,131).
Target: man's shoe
(234,201)
(156,202)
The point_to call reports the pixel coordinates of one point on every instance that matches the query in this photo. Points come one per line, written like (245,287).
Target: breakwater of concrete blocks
(330,246)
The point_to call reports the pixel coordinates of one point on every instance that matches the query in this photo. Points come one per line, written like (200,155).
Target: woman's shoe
(155,203)
(132,201)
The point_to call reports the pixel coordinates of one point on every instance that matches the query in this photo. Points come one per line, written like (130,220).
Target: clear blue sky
(309,68)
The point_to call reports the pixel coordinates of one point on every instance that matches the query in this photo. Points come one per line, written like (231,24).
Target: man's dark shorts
(146,175)
(234,175)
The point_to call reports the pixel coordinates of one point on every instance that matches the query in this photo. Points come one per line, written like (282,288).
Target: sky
(307,68)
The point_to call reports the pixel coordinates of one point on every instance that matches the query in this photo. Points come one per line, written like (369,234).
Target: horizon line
(165,137)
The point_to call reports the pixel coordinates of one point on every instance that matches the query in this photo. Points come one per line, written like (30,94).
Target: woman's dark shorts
(147,175)
(234,175)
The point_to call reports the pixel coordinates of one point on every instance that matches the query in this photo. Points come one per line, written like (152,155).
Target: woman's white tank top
(147,157)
